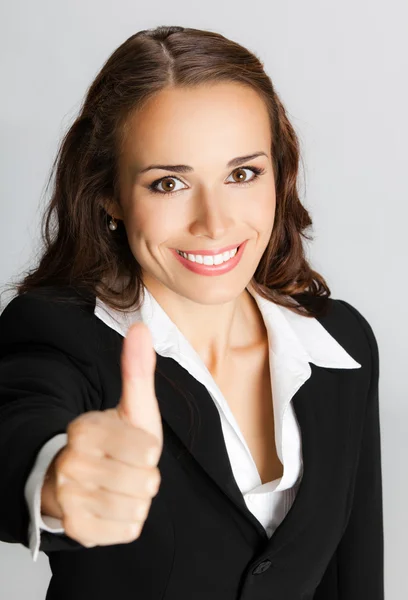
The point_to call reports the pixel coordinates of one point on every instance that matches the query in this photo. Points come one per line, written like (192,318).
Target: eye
(166,180)
(254,170)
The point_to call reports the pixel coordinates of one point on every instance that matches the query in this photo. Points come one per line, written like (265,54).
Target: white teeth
(208,259)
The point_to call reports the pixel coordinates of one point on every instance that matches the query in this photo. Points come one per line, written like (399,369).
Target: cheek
(152,226)
(262,213)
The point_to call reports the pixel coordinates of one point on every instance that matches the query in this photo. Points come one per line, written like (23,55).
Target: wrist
(49,503)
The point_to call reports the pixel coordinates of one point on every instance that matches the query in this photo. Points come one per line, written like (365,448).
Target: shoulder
(57,316)
(351,328)
(48,348)
(369,337)
(358,319)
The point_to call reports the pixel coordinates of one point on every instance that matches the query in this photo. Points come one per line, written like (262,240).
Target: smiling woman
(209,117)
(175,204)
(207,207)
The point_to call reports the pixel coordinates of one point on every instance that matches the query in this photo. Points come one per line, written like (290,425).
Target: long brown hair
(79,249)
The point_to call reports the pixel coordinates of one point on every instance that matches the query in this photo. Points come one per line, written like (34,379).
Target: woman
(174,313)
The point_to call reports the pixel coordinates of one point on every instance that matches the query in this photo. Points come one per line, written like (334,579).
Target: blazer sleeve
(358,564)
(48,377)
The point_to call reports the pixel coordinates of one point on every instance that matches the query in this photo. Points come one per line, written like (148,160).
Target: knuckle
(78,437)
(92,416)
(72,528)
(157,448)
(62,458)
(139,511)
(153,481)
(135,513)
(69,463)
(132,531)
(152,450)
(75,427)
(79,427)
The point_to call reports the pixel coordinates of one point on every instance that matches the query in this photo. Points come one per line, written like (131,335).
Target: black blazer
(199,540)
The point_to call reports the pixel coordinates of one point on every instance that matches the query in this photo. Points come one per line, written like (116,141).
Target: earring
(112,224)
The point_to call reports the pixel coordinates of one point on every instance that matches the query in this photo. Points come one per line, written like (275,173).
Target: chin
(211,295)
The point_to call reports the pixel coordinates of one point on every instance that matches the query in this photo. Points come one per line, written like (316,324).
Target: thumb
(138,404)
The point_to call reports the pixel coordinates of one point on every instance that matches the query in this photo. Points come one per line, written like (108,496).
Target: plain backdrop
(340,69)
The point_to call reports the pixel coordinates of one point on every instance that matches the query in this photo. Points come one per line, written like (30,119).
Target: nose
(213,217)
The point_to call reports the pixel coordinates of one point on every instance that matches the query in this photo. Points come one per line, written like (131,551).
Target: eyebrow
(234,162)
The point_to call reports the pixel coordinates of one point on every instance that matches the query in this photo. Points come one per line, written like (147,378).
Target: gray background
(340,69)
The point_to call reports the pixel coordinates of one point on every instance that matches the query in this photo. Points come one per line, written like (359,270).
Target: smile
(210,264)
(202,259)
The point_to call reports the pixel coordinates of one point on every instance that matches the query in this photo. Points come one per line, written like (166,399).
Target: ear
(112,208)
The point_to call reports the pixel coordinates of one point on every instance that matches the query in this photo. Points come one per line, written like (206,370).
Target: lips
(213,270)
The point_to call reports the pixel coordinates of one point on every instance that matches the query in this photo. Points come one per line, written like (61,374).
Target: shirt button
(263,566)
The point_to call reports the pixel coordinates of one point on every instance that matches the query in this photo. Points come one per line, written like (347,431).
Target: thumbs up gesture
(138,404)
(110,461)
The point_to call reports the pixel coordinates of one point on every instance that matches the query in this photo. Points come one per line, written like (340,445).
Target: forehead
(228,116)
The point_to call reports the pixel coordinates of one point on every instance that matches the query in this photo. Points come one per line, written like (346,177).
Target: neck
(218,333)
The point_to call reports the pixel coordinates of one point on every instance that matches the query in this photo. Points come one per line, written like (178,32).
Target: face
(208,205)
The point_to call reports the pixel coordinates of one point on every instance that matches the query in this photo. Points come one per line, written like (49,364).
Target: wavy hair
(79,249)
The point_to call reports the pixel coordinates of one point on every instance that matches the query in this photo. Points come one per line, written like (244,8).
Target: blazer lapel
(322,416)
(323,410)
(191,415)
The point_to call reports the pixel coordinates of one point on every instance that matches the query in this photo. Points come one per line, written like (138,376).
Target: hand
(110,460)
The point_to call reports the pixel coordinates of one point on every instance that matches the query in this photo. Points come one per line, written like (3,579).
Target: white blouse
(294,342)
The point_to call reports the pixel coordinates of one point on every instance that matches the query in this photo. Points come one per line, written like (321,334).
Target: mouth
(208,257)
(204,264)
